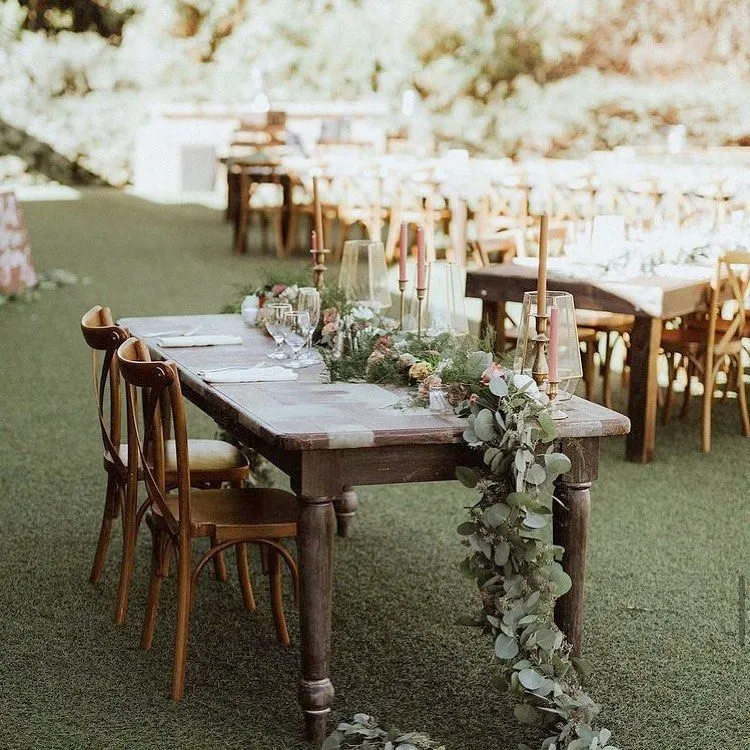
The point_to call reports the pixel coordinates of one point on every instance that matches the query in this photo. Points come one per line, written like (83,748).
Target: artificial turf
(668,544)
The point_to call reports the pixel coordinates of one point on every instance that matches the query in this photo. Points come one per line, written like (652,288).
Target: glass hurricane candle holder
(567,351)
(363,277)
(443,308)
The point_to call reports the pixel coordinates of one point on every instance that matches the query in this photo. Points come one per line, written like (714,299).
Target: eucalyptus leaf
(477,363)
(498,386)
(468,477)
(506,647)
(561,579)
(530,679)
(557,464)
(536,474)
(534,521)
(496,514)
(467,528)
(484,427)
(502,552)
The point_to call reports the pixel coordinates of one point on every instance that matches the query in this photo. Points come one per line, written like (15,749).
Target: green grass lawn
(668,543)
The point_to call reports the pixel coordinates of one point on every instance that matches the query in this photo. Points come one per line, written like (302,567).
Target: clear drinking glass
(296,329)
(308,301)
(273,317)
(364,277)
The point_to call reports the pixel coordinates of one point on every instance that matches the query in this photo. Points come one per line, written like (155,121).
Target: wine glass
(273,317)
(308,301)
(296,329)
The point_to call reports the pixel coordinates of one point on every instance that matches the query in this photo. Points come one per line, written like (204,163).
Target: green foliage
(364,732)
(508,532)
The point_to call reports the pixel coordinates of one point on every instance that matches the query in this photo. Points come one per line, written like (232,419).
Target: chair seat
(604,321)
(242,514)
(205,456)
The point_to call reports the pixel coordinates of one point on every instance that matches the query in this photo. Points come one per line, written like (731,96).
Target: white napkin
(215,340)
(249,375)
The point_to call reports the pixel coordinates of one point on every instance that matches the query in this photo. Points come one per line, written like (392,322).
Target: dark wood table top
(312,414)
(677,290)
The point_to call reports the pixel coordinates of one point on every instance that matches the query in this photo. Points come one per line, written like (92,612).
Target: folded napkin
(216,340)
(249,375)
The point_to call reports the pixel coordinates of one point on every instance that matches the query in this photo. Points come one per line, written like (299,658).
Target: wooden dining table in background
(651,299)
(330,436)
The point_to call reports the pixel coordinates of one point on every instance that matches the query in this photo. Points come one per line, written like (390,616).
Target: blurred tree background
(496,76)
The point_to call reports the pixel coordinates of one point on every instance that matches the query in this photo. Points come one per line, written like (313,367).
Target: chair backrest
(733,277)
(103,337)
(159,385)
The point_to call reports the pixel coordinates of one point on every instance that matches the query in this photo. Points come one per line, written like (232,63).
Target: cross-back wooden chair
(103,337)
(713,342)
(213,461)
(229,517)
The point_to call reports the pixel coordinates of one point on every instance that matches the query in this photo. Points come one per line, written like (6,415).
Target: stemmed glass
(273,317)
(296,329)
(308,301)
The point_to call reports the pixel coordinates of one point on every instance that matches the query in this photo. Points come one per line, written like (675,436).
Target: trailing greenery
(363,731)
(512,559)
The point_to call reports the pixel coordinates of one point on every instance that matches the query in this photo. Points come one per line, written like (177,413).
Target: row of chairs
(195,489)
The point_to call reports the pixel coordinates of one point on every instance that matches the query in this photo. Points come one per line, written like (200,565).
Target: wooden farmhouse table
(331,436)
(651,299)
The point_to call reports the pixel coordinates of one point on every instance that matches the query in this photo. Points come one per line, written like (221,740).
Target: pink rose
(277,289)
(494,370)
(473,399)
(330,315)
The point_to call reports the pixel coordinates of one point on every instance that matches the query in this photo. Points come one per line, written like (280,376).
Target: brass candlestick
(319,268)
(553,389)
(420,297)
(539,367)
(401,289)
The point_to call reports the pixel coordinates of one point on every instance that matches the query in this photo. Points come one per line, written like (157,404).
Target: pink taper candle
(314,242)
(402,254)
(554,343)
(421,265)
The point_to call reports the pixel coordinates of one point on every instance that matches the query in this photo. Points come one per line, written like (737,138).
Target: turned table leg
(315,538)
(645,339)
(346,506)
(570,529)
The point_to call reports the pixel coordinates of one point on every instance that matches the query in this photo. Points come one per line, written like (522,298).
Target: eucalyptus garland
(514,564)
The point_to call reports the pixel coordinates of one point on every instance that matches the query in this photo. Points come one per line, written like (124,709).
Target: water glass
(273,317)
(296,329)
(308,301)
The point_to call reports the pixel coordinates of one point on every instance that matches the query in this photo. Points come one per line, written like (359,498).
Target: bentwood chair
(711,343)
(213,461)
(227,517)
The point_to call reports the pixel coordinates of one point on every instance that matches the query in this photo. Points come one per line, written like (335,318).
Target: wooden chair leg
(708,397)
(685,408)
(111,507)
(609,347)
(127,564)
(243,571)
(742,398)
(184,597)
(669,397)
(220,567)
(158,554)
(277,603)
